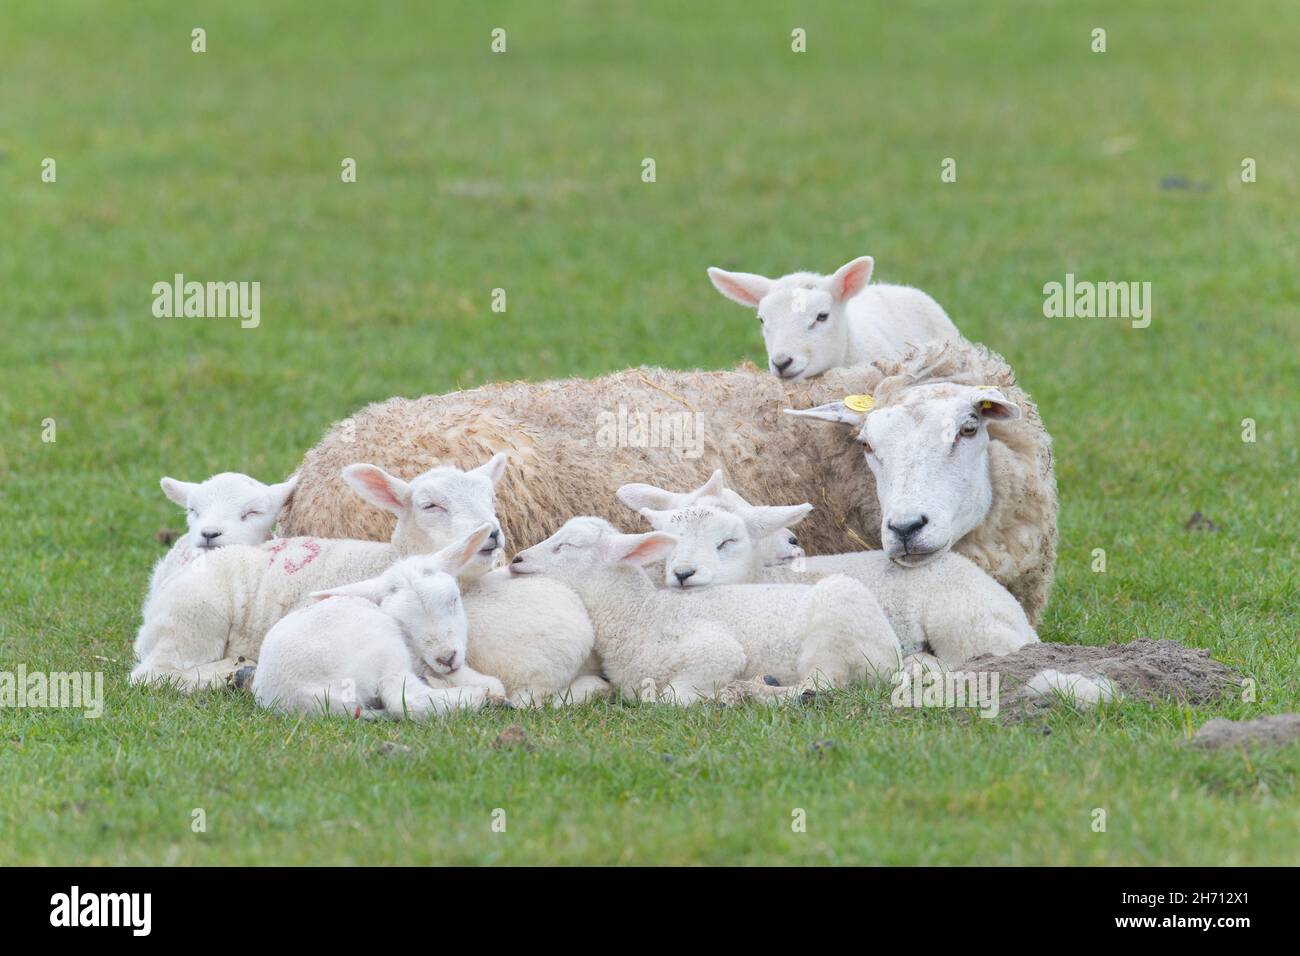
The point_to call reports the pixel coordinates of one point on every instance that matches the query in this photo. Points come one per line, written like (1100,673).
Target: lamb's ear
(832,412)
(493,469)
(177,491)
(991,403)
(371,590)
(743,287)
(712,488)
(280,493)
(656,518)
(764,520)
(378,487)
(851,278)
(642,548)
(637,496)
(455,557)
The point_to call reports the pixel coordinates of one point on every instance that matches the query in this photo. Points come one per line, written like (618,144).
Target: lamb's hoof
(242,679)
(808,696)
(496,700)
(771,681)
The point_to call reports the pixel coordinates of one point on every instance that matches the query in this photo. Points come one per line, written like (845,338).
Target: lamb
(229,508)
(685,647)
(357,653)
(996,504)
(948,607)
(532,635)
(812,323)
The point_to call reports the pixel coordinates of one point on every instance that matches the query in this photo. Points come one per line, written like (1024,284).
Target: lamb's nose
(909,526)
(210,533)
(681,574)
(448,662)
(781,363)
(517,559)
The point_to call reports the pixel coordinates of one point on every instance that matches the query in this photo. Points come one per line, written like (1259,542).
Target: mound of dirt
(1146,669)
(1219,733)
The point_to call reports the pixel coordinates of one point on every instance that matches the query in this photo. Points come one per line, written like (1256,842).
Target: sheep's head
(229,508)
(438,507)
(929,452)
(803,315)
(723,539)
(584,544)
(420,593)
(720,545)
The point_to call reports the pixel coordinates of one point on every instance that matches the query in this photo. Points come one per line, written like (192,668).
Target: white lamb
(229,508)
(812,323)
(947,607)
(533,635)
(686,646)
(359,652)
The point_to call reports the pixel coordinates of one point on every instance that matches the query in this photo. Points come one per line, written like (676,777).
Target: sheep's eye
(968,429)
(393,590)
(249,514)
(433,506)
(194,512)
(727,542)
(760,320)
(794,540)
(823,316)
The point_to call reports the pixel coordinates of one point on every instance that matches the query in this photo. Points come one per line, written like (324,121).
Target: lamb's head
(717,544)
(438,507)
(803,315)
(420,593)
(229,508)
(929,451)
(584,545)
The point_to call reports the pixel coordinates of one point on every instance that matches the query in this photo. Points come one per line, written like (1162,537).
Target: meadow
(522,171)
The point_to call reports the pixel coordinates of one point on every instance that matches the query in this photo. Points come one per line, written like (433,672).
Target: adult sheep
(573,442)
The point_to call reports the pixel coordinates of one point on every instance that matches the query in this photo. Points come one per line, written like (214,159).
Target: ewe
(812,322)
(690,645)
(228,508)
(357,653)
(998,492)
(947,607)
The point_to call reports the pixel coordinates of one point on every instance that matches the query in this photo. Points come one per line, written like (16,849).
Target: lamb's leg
(584,688)
(846,637)
(182,640)
(466,676)
(405,694)
(699,665)
(981,623)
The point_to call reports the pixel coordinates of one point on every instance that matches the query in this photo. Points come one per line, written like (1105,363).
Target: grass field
(523,171)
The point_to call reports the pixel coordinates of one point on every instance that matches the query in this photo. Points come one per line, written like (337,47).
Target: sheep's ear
(851,278)
(743,287)
(764,520)
(637,496)
(656,518)
(280,493)
(733,500)
(371,590)
(991,403)
(378,487)
(455,557)
(832,412)
(177,491)
(712,488)
(493,469)
(642,548)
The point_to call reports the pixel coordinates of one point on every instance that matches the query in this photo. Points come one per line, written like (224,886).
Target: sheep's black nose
(782,366)
(209,534)
(909,526)
(794,540)
(683,574)
(495,536)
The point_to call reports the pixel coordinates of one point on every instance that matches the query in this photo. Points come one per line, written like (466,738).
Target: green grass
(522,171)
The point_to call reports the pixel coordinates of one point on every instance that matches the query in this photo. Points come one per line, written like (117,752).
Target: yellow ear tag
(986,405)
(859,403)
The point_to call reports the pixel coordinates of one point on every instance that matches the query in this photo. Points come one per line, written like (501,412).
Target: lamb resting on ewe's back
(974,461)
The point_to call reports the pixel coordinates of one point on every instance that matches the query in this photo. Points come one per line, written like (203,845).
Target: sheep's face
(803,315)
(779,548)
(930,457)
(420,593)
(438,507)
(585,544)
(721,545)
(228,508)
(425,602)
